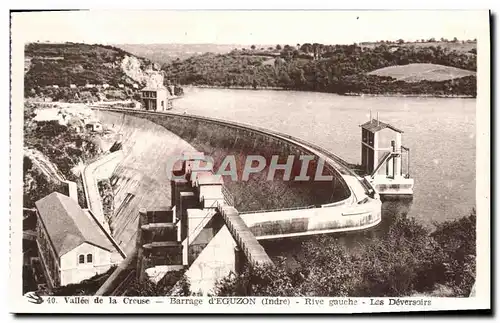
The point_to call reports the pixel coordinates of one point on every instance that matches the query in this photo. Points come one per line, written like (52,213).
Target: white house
(121,86)
(72,247)
(135,86)
(72,86)
(105,86)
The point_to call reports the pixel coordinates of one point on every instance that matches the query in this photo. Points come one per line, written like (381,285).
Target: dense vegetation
(174,283)
(62,146)
(86,287)
(408,260)
(316,67)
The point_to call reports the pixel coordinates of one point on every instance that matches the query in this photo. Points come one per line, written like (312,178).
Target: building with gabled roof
(72,246)
(375,125)
(156,98)
(382,155)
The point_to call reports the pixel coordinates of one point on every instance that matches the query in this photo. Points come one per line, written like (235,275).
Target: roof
(207,178)
(149,88)
(375,126)
(67,225)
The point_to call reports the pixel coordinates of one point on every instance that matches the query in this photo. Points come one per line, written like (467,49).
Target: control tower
(382,156)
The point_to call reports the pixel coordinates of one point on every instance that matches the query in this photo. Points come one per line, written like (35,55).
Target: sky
(244,27)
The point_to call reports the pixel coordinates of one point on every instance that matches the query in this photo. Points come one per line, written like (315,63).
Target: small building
(121,86)
(105,86)
(72,86)
(55,86)
(382,158)
(71,245)
(94,126)
(155,99)
(89,86)
(135,86)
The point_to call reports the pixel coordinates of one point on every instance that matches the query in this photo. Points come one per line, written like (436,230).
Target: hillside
(82,72)
(343,69)
(79,64)
(422,72)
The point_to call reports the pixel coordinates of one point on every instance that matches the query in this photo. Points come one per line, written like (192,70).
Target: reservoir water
(440,133)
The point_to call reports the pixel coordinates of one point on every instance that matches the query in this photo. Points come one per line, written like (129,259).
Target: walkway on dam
(245,239)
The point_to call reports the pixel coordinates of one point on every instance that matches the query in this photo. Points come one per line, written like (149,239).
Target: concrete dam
(268,209)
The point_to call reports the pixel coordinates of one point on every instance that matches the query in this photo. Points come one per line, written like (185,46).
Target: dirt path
(45,166)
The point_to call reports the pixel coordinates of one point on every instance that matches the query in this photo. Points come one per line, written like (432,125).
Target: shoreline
(270,88)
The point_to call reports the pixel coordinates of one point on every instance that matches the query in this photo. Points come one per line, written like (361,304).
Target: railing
(228,197)
(281,209)
(214,204)
(121,289)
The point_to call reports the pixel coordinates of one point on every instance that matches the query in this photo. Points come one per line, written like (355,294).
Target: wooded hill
(339,69)
(48,64)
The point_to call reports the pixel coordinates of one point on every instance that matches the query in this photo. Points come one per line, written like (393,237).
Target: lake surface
(440,133)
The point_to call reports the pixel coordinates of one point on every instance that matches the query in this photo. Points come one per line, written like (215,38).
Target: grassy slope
(421,72)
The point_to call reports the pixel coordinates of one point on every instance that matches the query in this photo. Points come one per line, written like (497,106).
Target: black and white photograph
(250,161)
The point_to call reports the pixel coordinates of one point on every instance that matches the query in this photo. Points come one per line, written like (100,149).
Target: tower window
(89,257)
(81,259)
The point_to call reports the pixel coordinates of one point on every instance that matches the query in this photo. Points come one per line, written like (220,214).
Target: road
(90,178)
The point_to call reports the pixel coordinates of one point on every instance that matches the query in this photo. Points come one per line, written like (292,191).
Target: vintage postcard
(250,161)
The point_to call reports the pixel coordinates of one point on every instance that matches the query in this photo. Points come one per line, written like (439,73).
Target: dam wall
(219,139)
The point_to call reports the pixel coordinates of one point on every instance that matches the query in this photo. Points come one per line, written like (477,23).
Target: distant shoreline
(269,88)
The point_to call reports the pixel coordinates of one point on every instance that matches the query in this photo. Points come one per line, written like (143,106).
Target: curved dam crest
(149,184)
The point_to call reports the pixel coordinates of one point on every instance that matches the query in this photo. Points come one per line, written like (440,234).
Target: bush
(174,282)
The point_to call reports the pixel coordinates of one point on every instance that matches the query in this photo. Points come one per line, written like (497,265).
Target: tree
(252,47)
(285,80)
(278,47)
(458,241)
(306,48)
(401,41)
